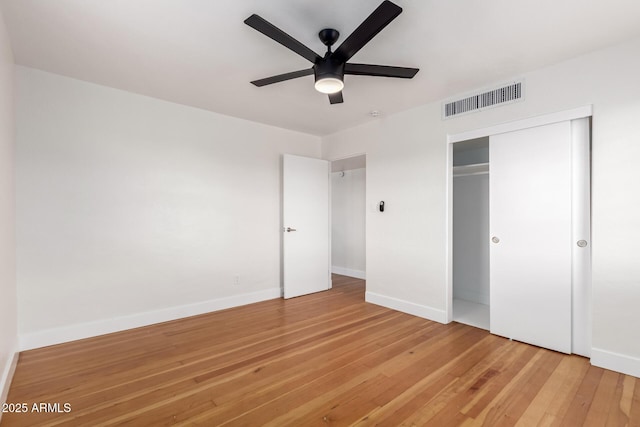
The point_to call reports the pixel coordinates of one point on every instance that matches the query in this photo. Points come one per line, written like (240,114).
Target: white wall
(406,166)
(8,302)
(132,210)
(347,222)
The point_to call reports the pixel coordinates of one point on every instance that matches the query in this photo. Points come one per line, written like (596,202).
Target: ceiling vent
(506,94)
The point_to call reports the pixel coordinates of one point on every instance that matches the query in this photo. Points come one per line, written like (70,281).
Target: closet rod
(467,170)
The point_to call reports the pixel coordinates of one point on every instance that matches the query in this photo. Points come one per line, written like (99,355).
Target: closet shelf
(466,170)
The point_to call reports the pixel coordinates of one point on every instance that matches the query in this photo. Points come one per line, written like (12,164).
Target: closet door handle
(495,239)
(582,243)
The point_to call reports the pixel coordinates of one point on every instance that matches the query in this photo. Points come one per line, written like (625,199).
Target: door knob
(494,239)
(289,229)
(582,243)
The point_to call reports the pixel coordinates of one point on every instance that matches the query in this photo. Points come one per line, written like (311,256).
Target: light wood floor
(320,360)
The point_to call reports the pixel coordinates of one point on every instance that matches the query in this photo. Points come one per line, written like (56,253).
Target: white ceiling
(200,53)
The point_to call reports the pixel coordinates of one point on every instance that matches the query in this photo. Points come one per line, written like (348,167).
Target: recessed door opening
(348,217)
(471,232)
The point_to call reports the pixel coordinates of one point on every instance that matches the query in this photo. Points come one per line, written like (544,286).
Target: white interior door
(306,225)
(530,223)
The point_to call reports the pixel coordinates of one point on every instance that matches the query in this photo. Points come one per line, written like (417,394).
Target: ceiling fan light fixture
(329,85)
(329,70)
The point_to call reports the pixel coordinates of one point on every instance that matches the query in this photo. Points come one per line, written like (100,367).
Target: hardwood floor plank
(577,412)
(621,401)
(172,391)
(626,401)
(606,400)
(444,402)
(425,358)
(348,375)
(262,373)
(219,354)
(449,404)
(510,368)
(526,388)
(327,359)
(634,412)
(554,398)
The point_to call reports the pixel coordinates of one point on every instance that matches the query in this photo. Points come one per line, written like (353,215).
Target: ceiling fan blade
(380,70)
(336,98)
(380,18)
(282,77)
(273,32)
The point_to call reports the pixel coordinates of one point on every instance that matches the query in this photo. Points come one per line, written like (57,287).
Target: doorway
(471,232)
(348,216)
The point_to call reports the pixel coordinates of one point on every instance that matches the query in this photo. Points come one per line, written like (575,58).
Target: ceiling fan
(329,70)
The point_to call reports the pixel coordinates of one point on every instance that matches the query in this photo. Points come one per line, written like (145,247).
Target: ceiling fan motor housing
(328,68)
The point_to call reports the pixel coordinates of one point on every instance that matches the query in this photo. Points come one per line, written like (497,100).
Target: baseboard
(64,334)
(616,362)
(358,274)
(408,307)
(7,375)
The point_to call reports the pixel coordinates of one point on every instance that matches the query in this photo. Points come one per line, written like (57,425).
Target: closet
(348,216)
(471,232)
(521,243)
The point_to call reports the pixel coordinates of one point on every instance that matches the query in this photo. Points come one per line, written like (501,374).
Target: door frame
(573,114)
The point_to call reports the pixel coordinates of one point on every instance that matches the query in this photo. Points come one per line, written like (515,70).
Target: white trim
(546,119)
(330,225)
(63,334)
(581,288)
(616,362)
(358,274)
(449,226)
(408,307)
(7,375)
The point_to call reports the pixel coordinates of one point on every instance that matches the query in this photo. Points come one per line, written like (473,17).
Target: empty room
(298,213)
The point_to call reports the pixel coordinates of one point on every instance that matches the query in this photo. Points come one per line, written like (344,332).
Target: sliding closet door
(530,228)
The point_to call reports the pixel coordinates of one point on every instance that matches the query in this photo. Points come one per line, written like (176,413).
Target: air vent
(503,95)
